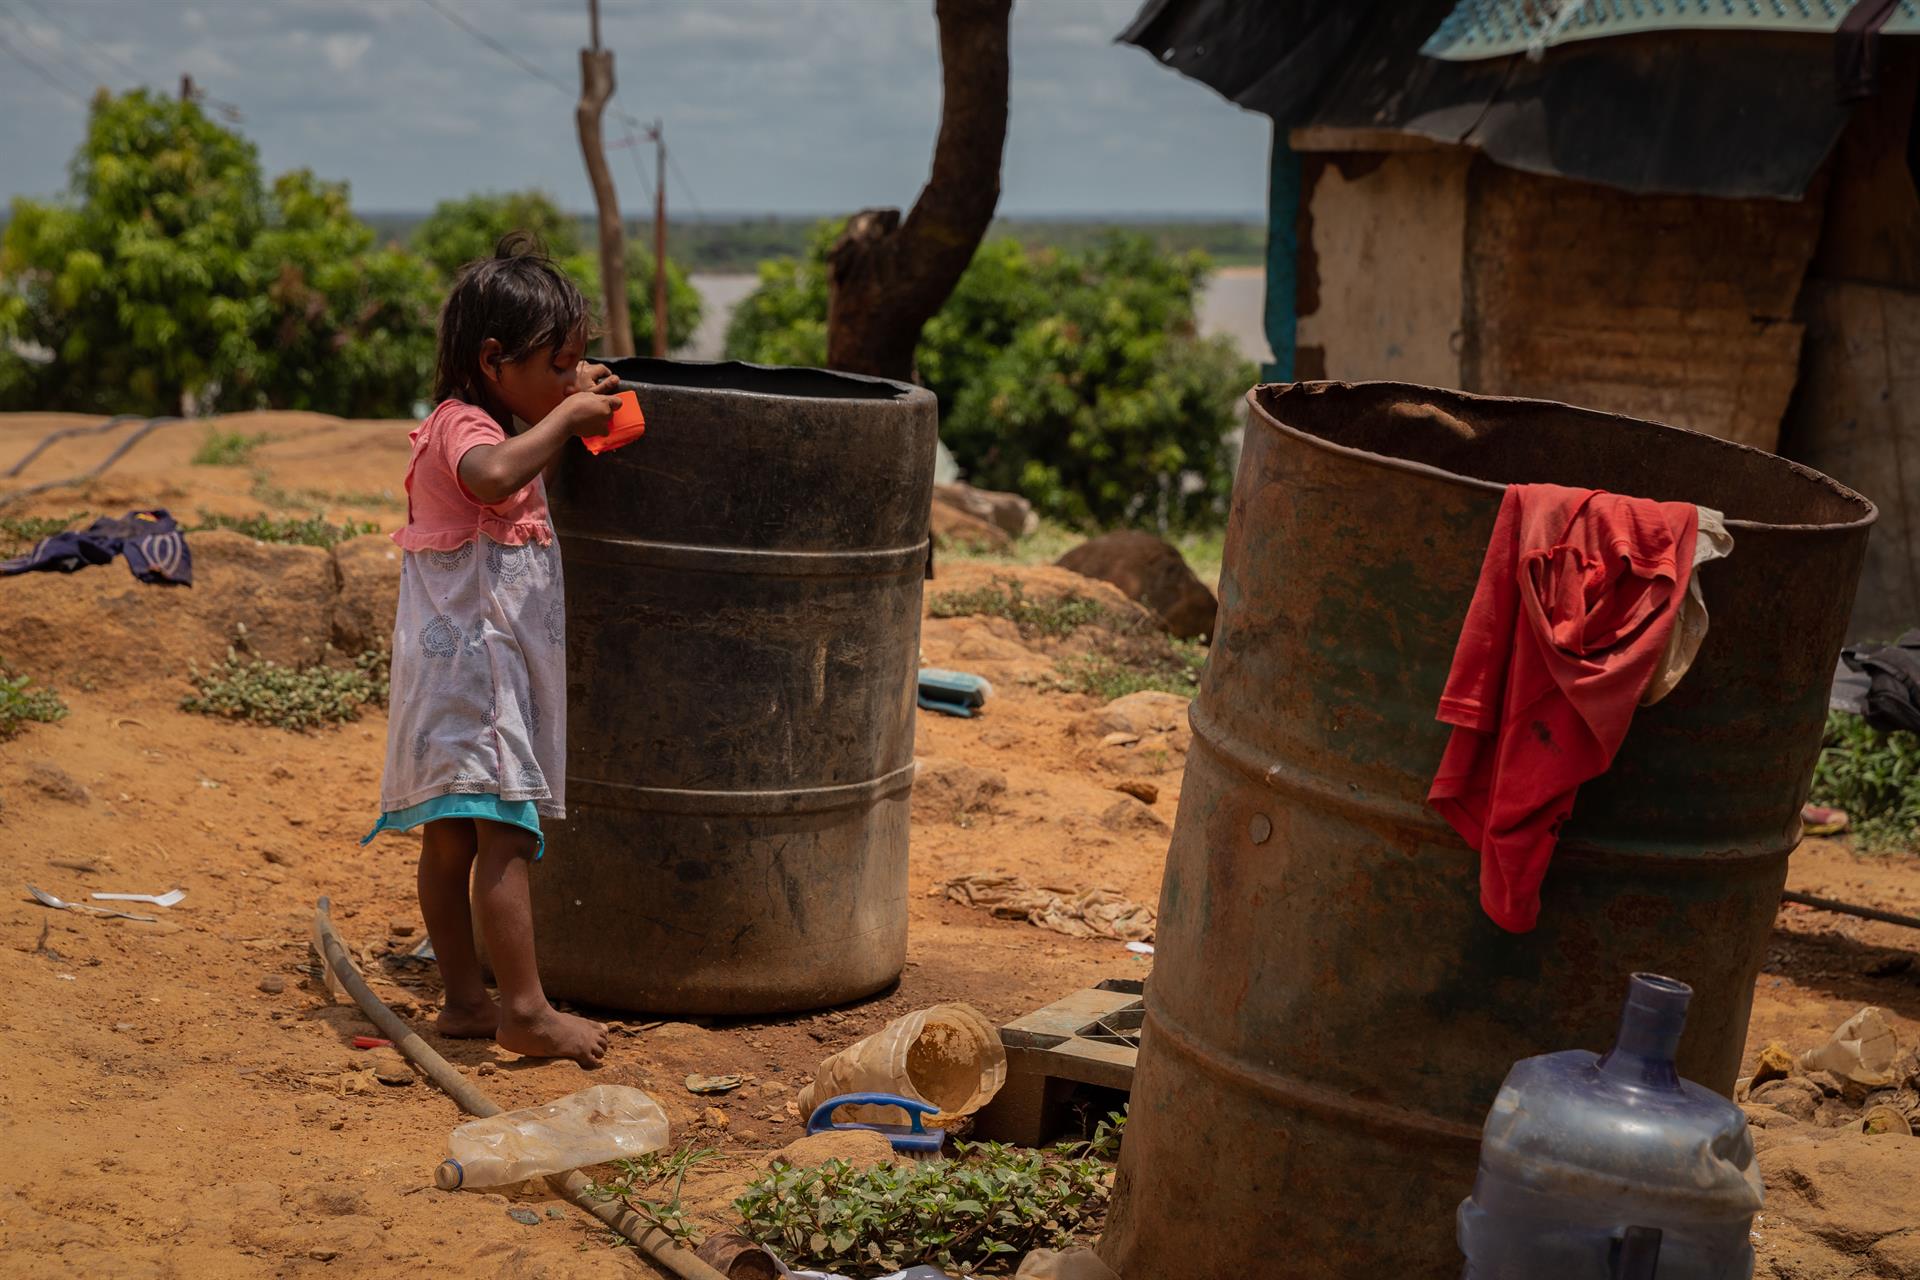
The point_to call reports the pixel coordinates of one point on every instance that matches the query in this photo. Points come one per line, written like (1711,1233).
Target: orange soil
(168,1113)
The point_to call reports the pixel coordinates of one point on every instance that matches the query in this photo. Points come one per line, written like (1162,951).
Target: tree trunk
(596,86)
(886,278)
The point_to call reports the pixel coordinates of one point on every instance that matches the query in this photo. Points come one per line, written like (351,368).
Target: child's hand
(595,377)
(587,413)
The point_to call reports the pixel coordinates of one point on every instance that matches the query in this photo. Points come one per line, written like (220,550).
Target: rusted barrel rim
(740,801)
(1258,409)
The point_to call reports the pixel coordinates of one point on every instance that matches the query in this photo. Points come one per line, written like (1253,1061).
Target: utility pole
(659,136)
(186,88)
(596,86)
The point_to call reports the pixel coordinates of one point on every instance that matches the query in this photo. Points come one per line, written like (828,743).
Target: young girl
(476,736)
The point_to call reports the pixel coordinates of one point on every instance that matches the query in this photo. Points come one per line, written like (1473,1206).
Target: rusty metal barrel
(743,623)
(1330,1014)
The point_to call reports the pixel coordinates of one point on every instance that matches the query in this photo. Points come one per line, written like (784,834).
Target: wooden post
(596,86)
(659,238)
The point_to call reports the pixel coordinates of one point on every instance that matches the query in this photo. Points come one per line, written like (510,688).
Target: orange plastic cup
(628,425)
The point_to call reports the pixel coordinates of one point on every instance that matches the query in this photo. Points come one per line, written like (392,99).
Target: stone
(1791,1096)
(1141,714)
(279,857)
(1775,1062)
(1140,789)
(1009,512)
(273,984)
(861,1148)
(389,1067)
(953,529)
(401,928)
(944,790)
(714,1118)
(1152,572)
(525,1217)
(1128,814)
(51,780)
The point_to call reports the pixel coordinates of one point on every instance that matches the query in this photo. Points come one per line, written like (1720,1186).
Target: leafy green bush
(21,703)
(297,698)
(310,531)
(1873,774)
(226,448)
(1076,379)
(981,1210)
(459,231)
(171,273)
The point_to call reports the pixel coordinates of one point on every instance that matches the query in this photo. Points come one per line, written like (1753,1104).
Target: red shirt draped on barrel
(1576,596)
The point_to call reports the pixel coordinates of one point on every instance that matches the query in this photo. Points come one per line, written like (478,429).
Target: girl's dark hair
(517,297)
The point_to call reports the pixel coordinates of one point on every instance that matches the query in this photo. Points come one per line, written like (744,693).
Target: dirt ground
(179,1099)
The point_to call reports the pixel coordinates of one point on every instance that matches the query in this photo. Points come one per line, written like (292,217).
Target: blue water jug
(1613,1167)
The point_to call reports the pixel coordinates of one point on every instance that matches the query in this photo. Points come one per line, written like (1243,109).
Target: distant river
(1231,305)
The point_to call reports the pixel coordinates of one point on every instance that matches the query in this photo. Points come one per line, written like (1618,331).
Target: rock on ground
(1152,572)
(945,789)
(862,1148)
(1008,511)
(953,528)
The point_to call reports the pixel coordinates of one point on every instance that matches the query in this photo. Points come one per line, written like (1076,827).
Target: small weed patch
(643,1186)
(1007,598)
(226,448)
(1170,666)
(297,698)
(311,531)
(982,1210)
(22,703)
(1874,774)
(20,533)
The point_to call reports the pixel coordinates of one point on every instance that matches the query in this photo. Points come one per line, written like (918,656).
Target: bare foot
(549,1033)
(469,1022)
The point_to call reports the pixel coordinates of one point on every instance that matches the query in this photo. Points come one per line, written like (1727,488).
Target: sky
(776,106)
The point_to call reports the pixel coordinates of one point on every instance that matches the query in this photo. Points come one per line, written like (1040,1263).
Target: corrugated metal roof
(1496,28)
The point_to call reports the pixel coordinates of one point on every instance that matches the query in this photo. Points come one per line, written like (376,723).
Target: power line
(43,73)
(493,44)
(686,186)
(100,57)
(51,50)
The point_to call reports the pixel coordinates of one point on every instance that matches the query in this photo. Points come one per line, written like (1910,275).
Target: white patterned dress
(477,706)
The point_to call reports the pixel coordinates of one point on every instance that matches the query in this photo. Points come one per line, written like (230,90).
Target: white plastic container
(606,1122)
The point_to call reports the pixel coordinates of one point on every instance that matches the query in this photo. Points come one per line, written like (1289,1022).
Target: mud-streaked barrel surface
(743,622)
(1330,1013)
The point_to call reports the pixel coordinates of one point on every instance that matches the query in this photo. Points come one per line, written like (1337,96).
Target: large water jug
(1613,1167)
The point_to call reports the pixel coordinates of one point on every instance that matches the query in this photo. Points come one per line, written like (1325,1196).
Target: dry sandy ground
(179,1100)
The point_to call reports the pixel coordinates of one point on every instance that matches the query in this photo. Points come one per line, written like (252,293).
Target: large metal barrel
(743,624)
(1330,1014)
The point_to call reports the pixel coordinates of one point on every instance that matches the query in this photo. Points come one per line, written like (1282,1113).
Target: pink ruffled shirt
(441,514)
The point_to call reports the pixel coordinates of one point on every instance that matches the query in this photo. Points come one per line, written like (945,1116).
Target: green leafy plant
(1162,663)
(459,231)
(174,274)
(19,533)
(310,531)
(1055,616)
(1076,378)
(297,698)
(1873,774)
(981,1210)
(226,448)
(22,703)
(651,1185)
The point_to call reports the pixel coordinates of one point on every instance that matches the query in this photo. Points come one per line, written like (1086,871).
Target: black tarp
(1721,114)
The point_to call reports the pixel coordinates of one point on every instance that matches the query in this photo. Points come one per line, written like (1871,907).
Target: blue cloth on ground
(155,549)
(486,806)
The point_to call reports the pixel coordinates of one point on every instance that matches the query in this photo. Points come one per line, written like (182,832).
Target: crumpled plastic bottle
(606,1122)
